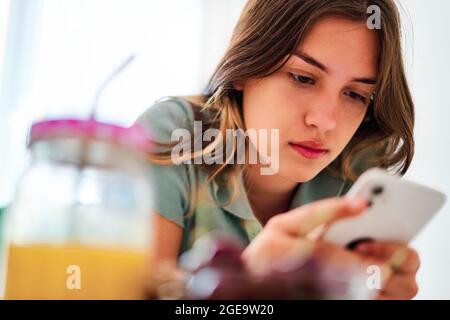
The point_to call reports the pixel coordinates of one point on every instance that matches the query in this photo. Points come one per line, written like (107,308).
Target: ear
(238,86)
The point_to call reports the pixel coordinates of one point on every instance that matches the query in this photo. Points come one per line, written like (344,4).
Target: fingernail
(398,258)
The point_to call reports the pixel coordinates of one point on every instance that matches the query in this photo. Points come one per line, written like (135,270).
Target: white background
(54,54)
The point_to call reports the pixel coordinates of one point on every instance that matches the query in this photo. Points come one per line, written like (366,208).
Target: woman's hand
(294,236)
(404,263)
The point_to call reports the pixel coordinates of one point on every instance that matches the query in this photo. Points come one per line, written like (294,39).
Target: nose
(321,113)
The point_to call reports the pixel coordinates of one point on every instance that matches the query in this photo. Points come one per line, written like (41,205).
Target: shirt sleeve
(171,184)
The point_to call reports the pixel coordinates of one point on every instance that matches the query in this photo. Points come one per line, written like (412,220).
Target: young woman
(335,90)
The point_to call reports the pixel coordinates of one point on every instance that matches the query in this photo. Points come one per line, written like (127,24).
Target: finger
(401,286)
(283,250)
(303,220)
(317,233)
(398,255)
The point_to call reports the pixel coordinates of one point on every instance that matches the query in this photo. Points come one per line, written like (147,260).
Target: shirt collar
(240,207)
(322,186)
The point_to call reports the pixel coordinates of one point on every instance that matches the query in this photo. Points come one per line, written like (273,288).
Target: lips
(309,149)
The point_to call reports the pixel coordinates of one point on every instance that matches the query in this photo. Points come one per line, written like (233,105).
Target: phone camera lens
(377,190)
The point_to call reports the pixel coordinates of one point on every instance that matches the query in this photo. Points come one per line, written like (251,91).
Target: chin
(301,176)
(307,177)
(299,169)
(303,171)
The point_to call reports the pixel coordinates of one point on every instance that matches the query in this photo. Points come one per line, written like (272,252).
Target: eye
(302,79)
(356,96)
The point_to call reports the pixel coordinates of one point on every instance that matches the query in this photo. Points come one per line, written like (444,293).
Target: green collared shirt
(173,185)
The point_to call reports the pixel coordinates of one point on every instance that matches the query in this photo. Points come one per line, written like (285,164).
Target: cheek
(348,124)
(265,105)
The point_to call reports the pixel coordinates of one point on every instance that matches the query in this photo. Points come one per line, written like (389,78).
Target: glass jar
(79,226)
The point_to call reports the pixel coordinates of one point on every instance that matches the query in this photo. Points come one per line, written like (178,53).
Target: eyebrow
(310,60)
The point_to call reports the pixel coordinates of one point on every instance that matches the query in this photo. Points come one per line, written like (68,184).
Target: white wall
(59,52)
(429,70)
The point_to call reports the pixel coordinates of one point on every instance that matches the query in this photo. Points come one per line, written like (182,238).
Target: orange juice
(74,272)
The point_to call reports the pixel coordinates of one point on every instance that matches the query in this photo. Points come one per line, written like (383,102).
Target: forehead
(342,45)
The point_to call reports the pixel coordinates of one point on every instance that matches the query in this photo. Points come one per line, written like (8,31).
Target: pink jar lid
(133,137)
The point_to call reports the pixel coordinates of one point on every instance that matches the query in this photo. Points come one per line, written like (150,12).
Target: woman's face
(320,95)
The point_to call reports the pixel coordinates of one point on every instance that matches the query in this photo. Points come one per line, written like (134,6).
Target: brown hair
(268,32)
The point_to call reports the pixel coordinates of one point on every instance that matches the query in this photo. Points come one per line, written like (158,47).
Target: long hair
(267,34)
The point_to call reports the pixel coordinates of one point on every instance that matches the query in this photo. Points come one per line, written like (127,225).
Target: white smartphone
(398,211)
